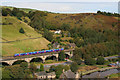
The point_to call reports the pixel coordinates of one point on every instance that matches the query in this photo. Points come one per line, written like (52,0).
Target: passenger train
(38,52)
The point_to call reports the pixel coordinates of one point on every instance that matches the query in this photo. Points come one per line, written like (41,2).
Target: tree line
(21,70)
(108,13)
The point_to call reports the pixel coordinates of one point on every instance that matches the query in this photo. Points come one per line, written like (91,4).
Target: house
(71,45)
(58,32)
(69,74)
(41,75)
(51,75)
(44,75)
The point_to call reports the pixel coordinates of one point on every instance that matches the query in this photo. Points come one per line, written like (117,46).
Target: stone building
(69,75)
(44,75)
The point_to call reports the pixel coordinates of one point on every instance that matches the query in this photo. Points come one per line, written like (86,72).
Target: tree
(15,71)
(15,11)
(52,68)
(62,34)
(48,35)
(99,12)
(61,56)
(100,60)
(90,61)
(21,30)
(77,59)
(4,12)
(24,65)
(65,27)
(66,67)
(119,59)
(74,67)
(37,19)
(6,74)
(71,41)
(58,70)
(33,67)
(41,67)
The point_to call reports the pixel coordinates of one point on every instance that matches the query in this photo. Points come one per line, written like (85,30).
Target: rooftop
(68,74)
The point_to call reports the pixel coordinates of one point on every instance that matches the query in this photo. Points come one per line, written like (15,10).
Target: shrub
(100,60)
(21,30)
(90,61)
(74,67)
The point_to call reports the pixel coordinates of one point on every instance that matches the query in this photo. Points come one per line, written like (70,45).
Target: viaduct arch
(10,62)
(43,57)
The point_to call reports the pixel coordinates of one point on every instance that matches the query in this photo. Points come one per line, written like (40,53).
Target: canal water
(102,74)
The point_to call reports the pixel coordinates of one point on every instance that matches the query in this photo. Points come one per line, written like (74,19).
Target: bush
(21,30)
(25,21)
(71,41)
(76,58)
(90,61)
(41,67)
(48,35)
(61,56)
(100,60)
(4,23)
(74,67)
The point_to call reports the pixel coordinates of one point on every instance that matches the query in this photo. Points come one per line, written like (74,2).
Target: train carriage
(36,52)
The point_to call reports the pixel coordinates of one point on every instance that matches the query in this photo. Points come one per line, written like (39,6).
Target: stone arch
(69,53)
(18,62)
(4,64)
(67,56)
(51,57)
(37,59)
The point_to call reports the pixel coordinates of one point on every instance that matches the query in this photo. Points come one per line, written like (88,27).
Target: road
(101,74)
(110,57)
(47,66)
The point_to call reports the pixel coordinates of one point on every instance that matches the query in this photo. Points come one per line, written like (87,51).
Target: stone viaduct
(42,57)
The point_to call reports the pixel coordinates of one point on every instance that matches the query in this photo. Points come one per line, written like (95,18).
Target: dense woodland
(102,42)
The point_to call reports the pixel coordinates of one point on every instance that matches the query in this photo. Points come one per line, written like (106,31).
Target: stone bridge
(42,57)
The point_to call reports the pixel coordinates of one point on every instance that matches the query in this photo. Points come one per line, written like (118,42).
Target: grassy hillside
(30,41)
(87,20)
(83,29)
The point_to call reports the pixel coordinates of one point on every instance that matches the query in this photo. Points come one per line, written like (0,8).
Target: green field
(22,42)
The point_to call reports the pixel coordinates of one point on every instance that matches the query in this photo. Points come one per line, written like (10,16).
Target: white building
(58,32)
